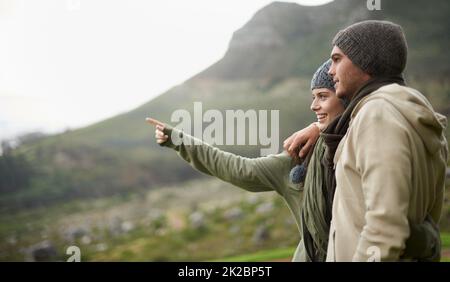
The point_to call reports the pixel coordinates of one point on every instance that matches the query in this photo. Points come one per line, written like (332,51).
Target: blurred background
(78,164)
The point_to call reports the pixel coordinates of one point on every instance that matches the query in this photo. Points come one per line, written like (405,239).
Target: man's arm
(300,142)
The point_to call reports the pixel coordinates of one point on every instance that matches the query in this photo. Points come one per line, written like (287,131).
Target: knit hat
(379,48)
(321,79)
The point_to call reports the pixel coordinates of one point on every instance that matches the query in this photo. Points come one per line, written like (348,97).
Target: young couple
(369,182)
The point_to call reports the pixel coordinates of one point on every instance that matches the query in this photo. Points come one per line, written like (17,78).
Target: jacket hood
(417,111)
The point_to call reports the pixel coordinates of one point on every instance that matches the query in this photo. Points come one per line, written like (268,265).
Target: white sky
(70,63)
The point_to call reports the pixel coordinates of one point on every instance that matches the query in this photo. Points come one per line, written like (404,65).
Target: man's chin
(340,94)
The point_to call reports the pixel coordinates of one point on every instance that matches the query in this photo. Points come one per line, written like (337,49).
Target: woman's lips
(321,117)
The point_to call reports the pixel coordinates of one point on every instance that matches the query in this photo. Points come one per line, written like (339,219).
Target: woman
(299,182)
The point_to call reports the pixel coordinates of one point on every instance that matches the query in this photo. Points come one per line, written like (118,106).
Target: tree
(15,170)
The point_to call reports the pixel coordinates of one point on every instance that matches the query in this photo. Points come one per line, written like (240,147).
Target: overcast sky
(69,63)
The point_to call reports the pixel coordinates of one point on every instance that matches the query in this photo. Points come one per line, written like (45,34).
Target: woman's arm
(252,174)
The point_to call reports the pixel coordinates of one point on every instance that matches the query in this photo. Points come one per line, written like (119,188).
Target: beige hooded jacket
(390,168)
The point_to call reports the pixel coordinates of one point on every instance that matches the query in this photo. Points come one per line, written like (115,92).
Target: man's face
(347,76)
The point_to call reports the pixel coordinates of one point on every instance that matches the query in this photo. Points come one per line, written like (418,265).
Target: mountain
(291,40)
(268,65)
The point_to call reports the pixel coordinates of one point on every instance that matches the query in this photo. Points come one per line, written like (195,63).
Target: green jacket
(262,174)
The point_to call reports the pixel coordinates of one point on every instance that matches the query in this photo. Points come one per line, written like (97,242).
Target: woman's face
(326,105)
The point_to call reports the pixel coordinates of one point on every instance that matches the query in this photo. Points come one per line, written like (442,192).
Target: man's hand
(159,132)
(299,143)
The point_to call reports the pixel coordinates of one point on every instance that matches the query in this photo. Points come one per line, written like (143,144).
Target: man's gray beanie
(321,79)
(379,48)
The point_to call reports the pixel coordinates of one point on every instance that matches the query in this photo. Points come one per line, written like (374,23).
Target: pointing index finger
(153,121)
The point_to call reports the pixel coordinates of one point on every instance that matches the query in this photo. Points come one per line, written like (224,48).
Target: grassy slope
(162,229)
(285,254)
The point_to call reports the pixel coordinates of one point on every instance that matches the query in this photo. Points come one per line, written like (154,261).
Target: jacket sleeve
(252,174)
(382,154)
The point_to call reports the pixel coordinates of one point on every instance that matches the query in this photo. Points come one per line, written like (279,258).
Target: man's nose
(331,71)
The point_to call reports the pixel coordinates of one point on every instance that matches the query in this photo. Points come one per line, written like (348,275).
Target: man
(391,159)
